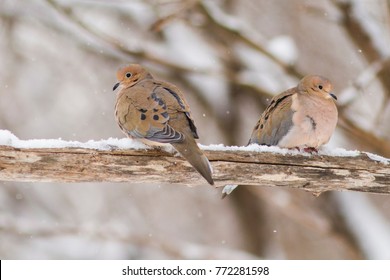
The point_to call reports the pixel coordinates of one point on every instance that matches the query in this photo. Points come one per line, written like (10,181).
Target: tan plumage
(156,111)
(302,117)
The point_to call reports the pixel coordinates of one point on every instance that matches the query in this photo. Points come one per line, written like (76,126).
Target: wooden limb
(315,173)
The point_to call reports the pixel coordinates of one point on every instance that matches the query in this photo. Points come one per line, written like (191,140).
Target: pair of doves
(302,117)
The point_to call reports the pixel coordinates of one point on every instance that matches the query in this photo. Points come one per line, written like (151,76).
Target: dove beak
(333,96)
(116,86)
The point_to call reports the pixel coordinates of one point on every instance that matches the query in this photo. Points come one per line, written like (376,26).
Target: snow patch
(337,152)
(9,139)
(228,189)
(325,151)
(378,158)
(249,148)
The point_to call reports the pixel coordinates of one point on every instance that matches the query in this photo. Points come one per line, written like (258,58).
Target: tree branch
(363,40)
(313,173)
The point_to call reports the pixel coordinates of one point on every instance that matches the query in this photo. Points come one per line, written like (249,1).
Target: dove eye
(128,75)
(320,87)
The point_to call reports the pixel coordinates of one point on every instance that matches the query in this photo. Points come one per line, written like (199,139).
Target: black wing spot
(261,126)
(143,110)
(155,117)
(143,117)
(155,110)
(165,115)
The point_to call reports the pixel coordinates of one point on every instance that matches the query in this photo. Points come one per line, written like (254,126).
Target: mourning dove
(303,117)
(152,110)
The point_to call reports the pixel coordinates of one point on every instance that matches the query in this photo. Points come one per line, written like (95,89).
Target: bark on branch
(315,173)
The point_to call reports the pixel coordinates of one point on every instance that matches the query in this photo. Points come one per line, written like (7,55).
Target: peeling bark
(315,173)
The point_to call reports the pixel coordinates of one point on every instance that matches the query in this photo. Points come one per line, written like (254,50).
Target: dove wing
(276,121)
(150,109)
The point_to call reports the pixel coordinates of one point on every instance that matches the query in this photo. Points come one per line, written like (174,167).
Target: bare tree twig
(362,39)
(141,54)
(240,35)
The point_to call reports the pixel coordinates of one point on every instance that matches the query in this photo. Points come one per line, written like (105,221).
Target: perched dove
(303,117)
(152,110)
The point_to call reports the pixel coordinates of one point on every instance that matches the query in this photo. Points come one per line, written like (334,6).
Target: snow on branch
(124,160)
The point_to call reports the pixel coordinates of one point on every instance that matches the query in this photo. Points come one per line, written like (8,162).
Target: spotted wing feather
(176,104)
(146,115)
(275,122)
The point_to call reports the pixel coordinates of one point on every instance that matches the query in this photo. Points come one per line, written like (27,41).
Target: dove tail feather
(191,152)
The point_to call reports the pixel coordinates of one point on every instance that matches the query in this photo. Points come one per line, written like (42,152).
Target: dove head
(318,86)
(131,75)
